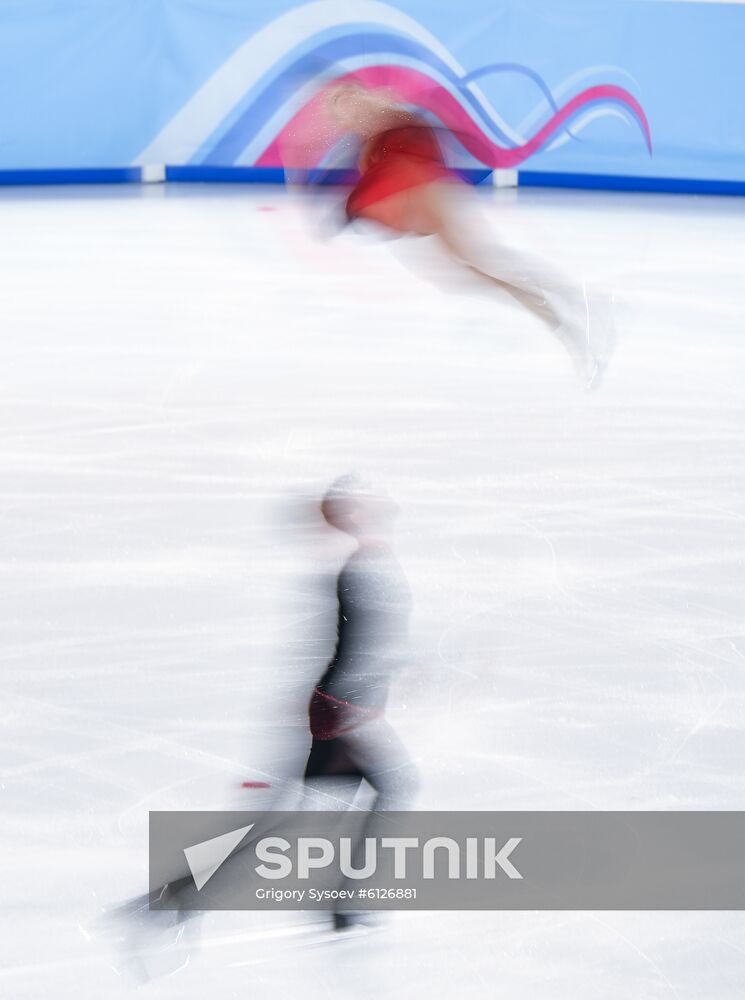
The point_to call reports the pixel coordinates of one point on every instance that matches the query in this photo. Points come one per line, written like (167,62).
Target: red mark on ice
(256,784)
(267,208)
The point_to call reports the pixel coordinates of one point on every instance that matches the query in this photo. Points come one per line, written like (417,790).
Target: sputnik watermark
(439,860)
(480,858)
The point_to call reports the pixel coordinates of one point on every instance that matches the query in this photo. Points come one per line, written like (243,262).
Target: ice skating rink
(183,371)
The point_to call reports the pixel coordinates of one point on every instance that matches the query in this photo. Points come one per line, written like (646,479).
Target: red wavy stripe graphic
(311,133)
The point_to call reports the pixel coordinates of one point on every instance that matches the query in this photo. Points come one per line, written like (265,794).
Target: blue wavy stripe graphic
(520,70)
(317,61)
(477,74)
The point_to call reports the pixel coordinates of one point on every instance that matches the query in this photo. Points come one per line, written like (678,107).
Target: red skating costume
(396,160)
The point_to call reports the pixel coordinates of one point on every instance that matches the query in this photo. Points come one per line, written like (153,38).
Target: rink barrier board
(275,175)
(609,182)
(221,83)
(73,175)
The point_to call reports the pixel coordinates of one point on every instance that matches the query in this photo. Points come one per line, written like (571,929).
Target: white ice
(182,371)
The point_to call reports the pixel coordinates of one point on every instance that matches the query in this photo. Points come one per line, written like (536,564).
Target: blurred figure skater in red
(406,187)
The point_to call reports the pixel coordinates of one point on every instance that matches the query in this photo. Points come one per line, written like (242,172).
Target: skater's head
(353,506)
(357,108)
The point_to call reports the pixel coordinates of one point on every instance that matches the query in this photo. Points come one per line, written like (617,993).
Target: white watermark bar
(447,860)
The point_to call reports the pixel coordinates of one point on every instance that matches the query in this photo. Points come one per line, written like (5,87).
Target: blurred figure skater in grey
(350,733)
(351,736)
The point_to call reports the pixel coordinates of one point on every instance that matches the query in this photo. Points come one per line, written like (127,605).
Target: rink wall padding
(614,94)
(272,175)
(607,182)
(84,175)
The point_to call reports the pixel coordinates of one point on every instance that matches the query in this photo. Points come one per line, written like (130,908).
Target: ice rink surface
(183,371)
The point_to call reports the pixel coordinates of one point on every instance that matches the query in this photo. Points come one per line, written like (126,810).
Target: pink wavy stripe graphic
(311,132)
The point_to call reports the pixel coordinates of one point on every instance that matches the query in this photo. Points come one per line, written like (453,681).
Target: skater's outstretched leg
(374,754)
(579,317)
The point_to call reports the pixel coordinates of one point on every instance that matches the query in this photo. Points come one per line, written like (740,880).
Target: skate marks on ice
(575,561)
